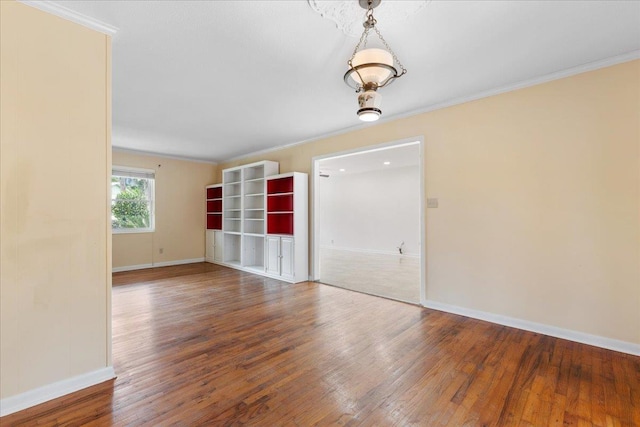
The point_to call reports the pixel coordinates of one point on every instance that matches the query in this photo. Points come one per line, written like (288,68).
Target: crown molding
(71,15)
(166,156)
(590,66)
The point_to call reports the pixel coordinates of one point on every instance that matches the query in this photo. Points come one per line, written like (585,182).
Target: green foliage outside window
(130,206)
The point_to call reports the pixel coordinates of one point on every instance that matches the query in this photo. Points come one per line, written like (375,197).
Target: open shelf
(232,248)
(214,221)
(231,176)
(280,223)
(214,207)
(253,252)
(254,214)
(254,227)
(232,225)
(255,186)
(280,203)
(254,203)
(253,173)
(280,185)
(214,193)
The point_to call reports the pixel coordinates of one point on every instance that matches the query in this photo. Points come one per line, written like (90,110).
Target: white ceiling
(377,159)
(214,80)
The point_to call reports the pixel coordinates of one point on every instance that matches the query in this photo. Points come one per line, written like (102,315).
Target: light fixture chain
(395,57)
(363,39)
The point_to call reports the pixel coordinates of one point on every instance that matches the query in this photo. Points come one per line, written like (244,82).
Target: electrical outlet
(161,250)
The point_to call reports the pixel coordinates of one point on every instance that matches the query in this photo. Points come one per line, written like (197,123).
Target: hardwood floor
(206,345)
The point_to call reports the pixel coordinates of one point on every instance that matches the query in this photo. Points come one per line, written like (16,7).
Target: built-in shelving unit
(243,219)
(264,221)
(286,249)
(213,236)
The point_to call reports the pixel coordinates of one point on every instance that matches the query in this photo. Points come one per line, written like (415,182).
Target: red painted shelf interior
(214,206)
(214,221)
(214,193)
(280,206)
(283,203)
(280,185)
(280,223)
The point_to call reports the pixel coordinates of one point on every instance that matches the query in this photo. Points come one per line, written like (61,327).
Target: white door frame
(315,205)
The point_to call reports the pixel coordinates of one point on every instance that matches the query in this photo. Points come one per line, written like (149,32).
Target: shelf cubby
(232,248)
(280,223)
(214,207)
(214,221)
(253,252)
(214,192)
(280,185)
(254,187)
(254,226)
(231,176)
(280,202)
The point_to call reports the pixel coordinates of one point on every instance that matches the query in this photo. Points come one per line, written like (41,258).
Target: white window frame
(143,173)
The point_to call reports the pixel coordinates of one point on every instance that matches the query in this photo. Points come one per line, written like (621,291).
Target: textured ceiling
(218,79)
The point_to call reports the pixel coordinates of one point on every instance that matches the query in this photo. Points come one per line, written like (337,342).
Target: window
(132,200)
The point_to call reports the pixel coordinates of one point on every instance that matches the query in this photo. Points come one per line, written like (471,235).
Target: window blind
(132,173)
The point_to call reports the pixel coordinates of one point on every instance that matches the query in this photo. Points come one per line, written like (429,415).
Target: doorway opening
(368,223)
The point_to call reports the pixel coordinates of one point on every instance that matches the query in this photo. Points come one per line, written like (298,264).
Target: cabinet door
(218,238)
(209,246)
(286,257)
(272,256)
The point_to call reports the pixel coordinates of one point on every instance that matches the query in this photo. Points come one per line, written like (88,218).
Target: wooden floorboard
(202,344)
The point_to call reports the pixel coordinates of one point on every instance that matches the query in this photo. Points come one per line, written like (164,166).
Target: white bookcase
(286,249)
(264,222)
(243,219)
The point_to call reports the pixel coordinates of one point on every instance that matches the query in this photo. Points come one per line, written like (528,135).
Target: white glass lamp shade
(369,103)
(372,74)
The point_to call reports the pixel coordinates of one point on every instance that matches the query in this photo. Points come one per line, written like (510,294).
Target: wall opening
(367,220)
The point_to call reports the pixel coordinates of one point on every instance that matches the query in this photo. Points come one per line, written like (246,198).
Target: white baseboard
(370,251)
(156,264)
(554,331)
(131,268)
(178,262)
(34,397)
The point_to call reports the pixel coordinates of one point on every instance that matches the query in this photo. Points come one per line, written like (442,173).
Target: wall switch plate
(432,203)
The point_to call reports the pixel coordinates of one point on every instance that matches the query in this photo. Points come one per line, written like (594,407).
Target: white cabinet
(287,258)
(209,250)
(218,246)
(272,255)
(214,246)
(280,257)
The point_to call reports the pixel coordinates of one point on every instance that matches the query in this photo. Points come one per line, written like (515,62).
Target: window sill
(132,230)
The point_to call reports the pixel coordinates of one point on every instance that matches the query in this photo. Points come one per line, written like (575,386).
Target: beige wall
(539,200)
(179,214)
(55,153)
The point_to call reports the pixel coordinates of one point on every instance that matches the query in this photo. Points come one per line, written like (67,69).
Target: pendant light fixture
(371,68)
